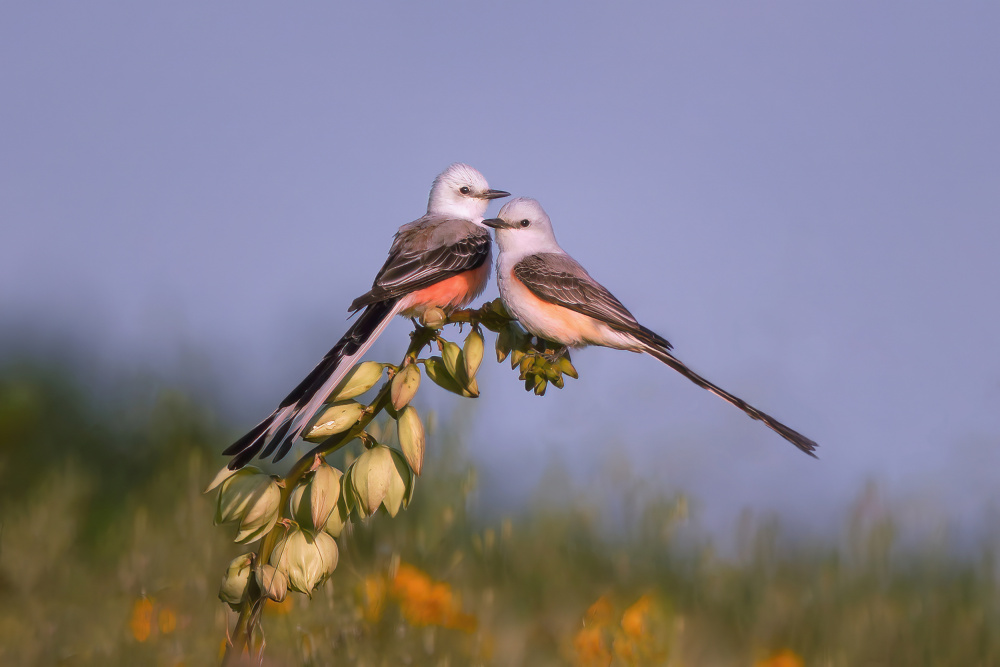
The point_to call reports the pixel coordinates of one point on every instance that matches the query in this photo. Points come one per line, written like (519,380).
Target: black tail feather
(276,438)
(244,454)
(656,349)
(257,439)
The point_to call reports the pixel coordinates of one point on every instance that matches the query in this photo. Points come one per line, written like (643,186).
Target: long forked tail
(285,424)
(659,348)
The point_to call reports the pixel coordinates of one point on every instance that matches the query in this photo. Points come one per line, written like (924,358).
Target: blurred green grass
(108,556)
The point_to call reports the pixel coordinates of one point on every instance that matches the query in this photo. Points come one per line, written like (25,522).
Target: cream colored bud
(273,583)
(452,355)
(315,500)
(324,494)
(404,386)
(234,584)
(370,477)
(337,418)
(437,372)
(306,558)
(472,353)
(251,498)
(236,493)
(261,516)
(434,318)
(222,476)
(358,380)
(411,438)
(335,524)
(454,363)
(400,485)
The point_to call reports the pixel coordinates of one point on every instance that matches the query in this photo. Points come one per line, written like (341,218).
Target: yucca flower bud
(400,485)
(370,475)
(451,353)
(439,374)
(339,417)
(306,558)
(272,581)
(250,497)
(315,500)
(335,524)
(434,318)
(358,380)
(404,386)
(234,584)
(411,438)
(472,353)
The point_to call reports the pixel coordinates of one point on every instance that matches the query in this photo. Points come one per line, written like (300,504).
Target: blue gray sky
(803,197)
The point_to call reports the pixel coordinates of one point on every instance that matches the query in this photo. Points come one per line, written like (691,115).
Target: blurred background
(803,199)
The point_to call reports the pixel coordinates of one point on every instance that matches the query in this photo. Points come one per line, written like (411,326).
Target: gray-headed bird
(555,298)
(442,260)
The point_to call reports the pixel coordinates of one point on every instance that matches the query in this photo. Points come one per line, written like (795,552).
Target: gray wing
(559,279)
(427,251)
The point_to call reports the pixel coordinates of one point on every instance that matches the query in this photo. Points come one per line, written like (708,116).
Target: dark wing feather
(559,279)
(426,252)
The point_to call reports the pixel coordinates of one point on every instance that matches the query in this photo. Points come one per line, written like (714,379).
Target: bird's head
(462,192)
(523,227)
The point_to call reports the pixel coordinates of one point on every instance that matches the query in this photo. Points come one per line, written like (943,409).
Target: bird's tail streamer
(659,348)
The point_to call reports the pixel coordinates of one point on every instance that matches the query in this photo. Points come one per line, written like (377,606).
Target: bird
(555,299)
(441,260)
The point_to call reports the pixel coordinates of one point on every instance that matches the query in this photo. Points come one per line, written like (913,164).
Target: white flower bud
(234,584)
(306,558)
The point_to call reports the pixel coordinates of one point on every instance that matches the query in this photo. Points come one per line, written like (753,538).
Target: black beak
(495,223)
(494,194)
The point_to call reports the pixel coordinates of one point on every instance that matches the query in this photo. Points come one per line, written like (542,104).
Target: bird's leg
(552,355)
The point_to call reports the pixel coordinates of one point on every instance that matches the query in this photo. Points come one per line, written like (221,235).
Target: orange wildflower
(785,658)
(427,602)
(590,647)
(141,622)
(280,608)
(373,597)
(599,613)
(635,618)
(167,621)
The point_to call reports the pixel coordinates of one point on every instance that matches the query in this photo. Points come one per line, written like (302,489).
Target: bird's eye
(524,223)
(465,189)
